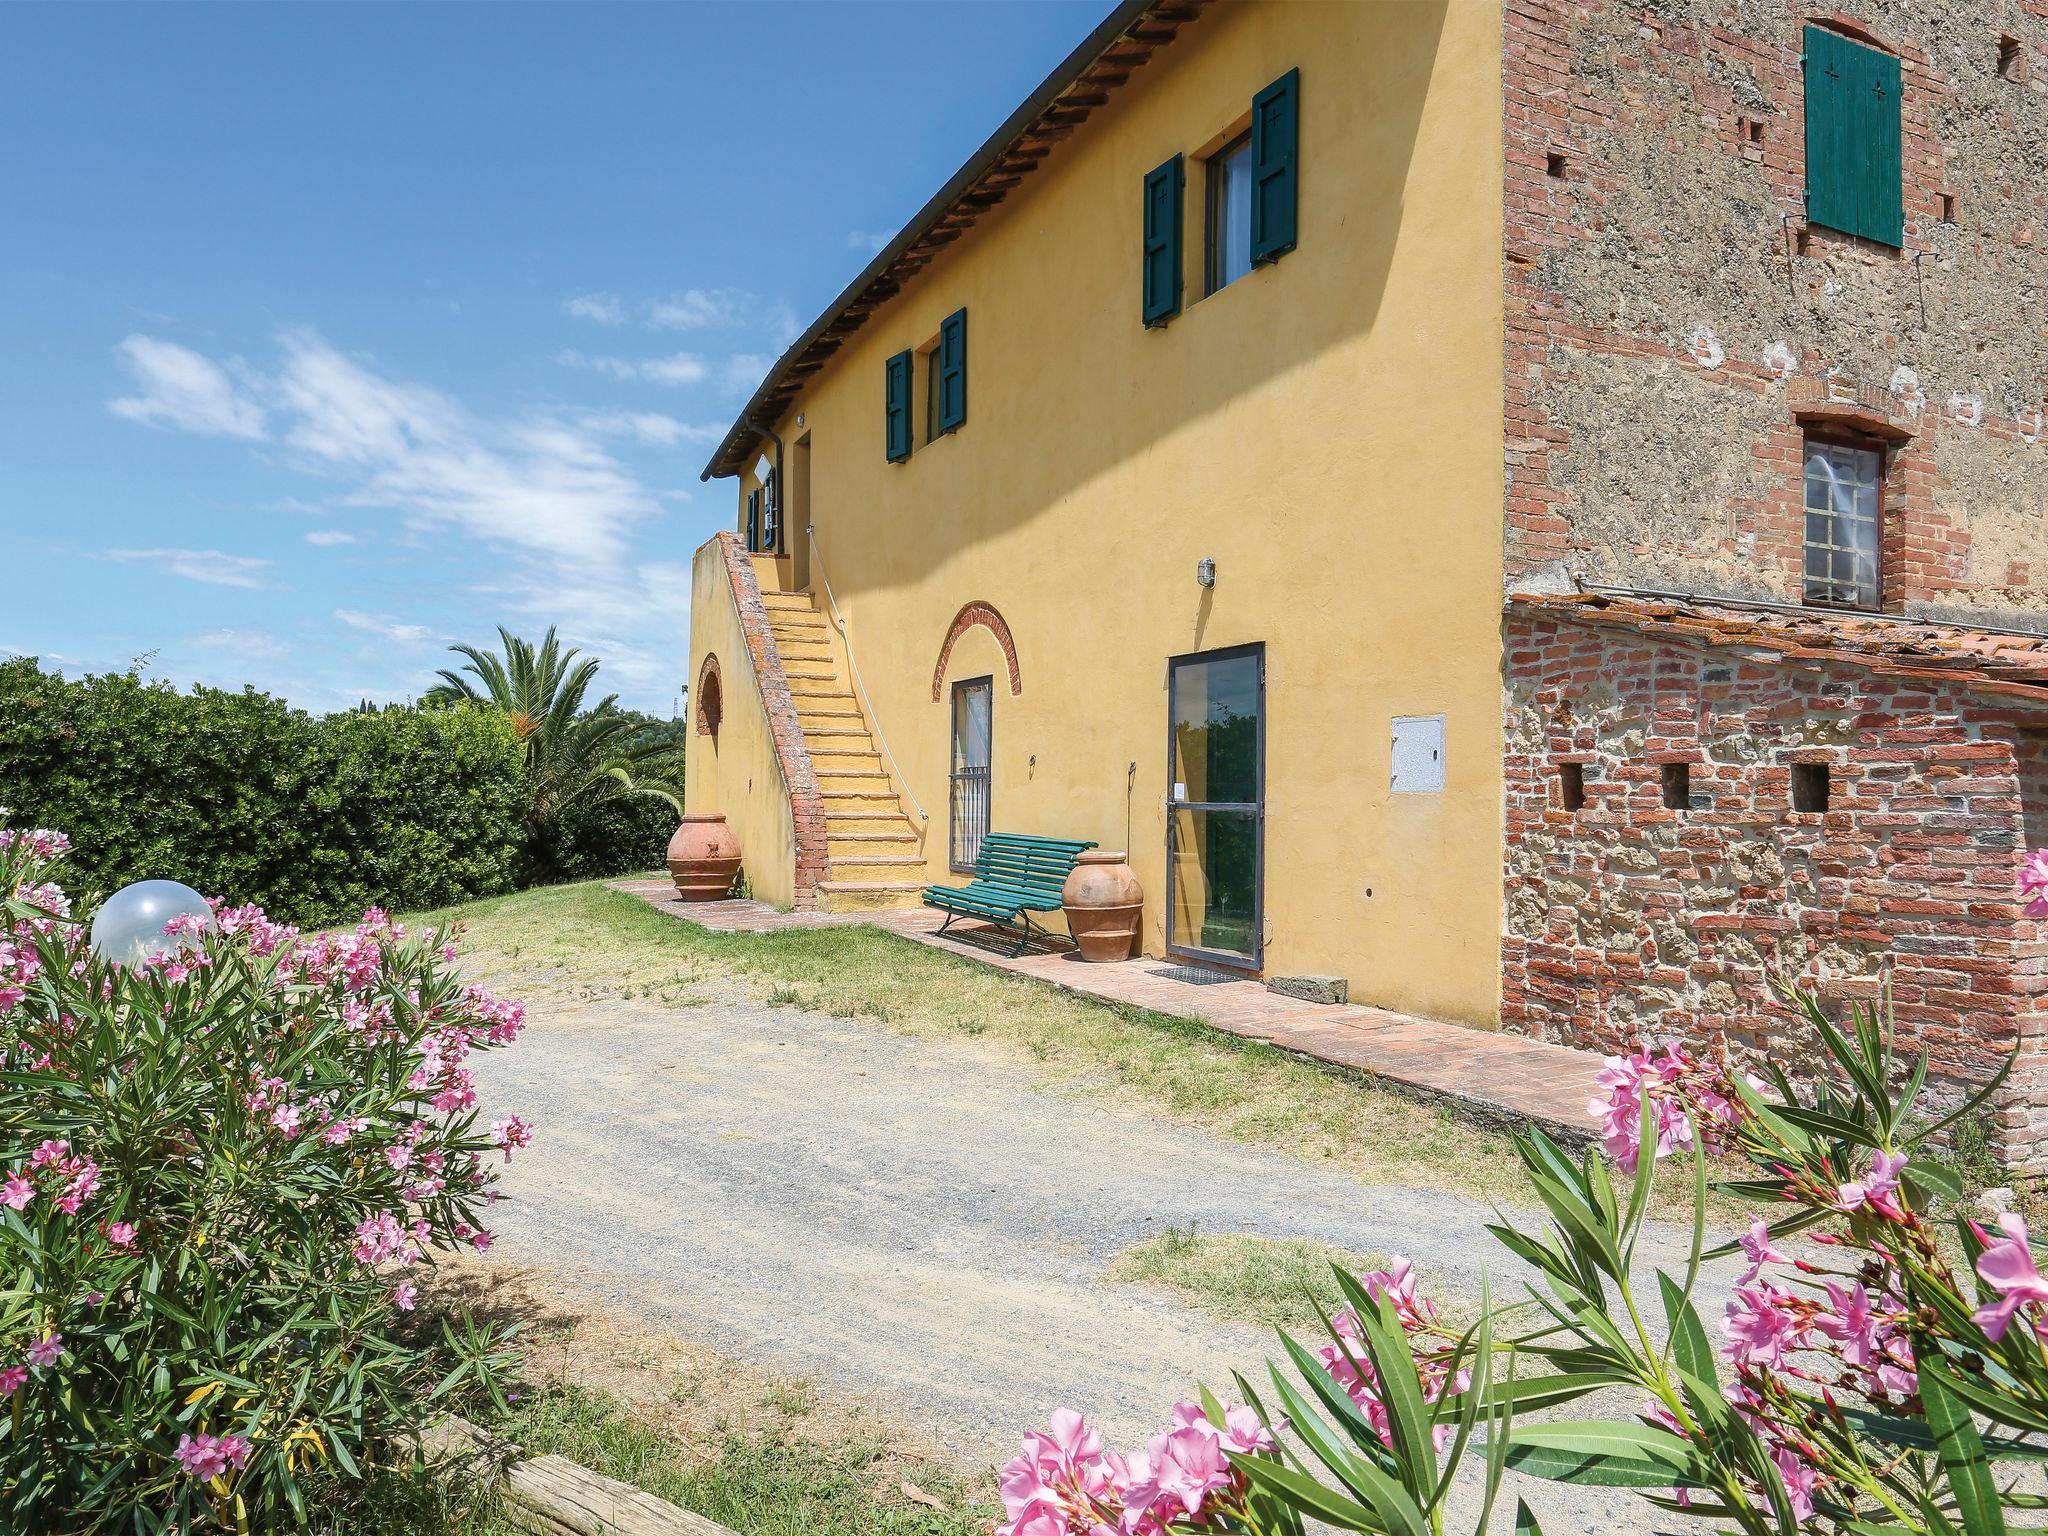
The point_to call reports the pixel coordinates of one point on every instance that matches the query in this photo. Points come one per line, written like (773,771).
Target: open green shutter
(896,407)
(1276,135)
(953,371)
(1162,238)
(753,520)
(1854,180)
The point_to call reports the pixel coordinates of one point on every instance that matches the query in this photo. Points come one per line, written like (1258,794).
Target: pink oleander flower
(2034,882)
(206,1456)
(16,1193)
(11,1379)
(1762,1323)
(510,1134)
(1185,1466)
(1065,1462)
(406,1296)
(1874,1191)
(47,1350)
(1850,1321)
(1756,1247)
(121,1234)
(1798,1479)
(2007,1267)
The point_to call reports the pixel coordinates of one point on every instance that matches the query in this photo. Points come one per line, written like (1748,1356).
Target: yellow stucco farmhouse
(1525,508)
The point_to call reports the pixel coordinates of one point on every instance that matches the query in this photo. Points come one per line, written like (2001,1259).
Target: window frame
(1862,443)
(986,683)
(1215,185)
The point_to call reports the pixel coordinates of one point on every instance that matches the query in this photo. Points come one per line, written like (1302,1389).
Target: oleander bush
(1884,1375)
(220,1173)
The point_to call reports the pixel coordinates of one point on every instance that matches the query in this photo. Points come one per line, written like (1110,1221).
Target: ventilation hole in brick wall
(1677,786)
(1948,207)
(1753,130)
(1571,783)
(1555,164)
(1809,786)
(2012,59)
(1803,242)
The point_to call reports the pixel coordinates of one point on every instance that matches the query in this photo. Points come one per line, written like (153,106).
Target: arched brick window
(984,615)
(710,698)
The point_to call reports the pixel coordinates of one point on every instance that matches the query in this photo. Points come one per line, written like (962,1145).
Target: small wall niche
(1571,785)
(1677,784)
(1809,786)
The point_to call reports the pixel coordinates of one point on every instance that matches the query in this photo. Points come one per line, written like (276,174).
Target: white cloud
(604,308)
(743,371)
(182,390)
(327,538)
(861,240)
(243,642)
(651,428)
(697,309)
(677,368)
(384,625)
(207,565)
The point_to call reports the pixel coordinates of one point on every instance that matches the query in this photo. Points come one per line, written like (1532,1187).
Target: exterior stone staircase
(874,860)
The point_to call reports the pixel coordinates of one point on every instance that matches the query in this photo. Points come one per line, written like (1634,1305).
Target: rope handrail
(853,667)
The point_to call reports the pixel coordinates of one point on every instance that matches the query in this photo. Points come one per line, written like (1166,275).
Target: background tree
(598,778)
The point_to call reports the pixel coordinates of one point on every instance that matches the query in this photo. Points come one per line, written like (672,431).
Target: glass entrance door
(972,701)
(1215,814)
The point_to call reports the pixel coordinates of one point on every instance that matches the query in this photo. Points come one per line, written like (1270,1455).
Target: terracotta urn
(703,857)
(1102,900)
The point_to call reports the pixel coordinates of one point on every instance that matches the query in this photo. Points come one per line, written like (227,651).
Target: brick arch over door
(985,615)
(710,697)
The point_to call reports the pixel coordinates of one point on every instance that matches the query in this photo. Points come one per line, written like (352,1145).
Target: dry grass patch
(1280,1282)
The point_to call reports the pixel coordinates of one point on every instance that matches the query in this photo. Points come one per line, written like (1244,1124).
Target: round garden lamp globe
(130,927)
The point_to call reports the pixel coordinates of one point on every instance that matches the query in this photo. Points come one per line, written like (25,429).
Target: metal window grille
(967,820)
(1842,494)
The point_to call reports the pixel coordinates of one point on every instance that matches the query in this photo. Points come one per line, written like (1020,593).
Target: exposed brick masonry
(985,615)
(1669,312)
(1627,922)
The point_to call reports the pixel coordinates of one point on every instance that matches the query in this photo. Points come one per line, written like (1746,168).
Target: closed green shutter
(1853,173)
(953,371)
(754,520)
(1276,135)
(1162,237)
(896,407)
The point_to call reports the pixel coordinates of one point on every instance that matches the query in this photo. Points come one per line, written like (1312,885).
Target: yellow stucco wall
(736,772)
(1327,429)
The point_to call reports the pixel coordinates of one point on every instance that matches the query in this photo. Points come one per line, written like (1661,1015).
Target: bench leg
(947,923)
(1024,934)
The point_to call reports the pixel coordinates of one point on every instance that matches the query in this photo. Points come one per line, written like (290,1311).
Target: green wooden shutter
(754,520)
(1276,135)
(1162,240)
(953,371)
(896,407)
(1853,172)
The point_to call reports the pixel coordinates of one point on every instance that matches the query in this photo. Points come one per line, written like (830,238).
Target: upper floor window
(1844,506)
(1230,212)
(1854,170)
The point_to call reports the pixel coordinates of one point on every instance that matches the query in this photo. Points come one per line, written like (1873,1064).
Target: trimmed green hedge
(240,795)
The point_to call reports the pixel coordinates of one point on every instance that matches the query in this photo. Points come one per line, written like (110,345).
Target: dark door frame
(1257,807)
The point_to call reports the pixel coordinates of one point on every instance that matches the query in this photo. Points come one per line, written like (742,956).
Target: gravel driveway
(914,1220)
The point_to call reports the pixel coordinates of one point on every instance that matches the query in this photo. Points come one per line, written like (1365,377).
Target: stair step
(867,895)
(842,823)
(839,774)
(789,599)
(903,836)
(814,688)
(813,673)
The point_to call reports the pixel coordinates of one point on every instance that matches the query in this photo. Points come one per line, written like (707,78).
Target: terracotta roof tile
(2012,666)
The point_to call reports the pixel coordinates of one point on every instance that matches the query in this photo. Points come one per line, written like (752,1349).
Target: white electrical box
(1418,754)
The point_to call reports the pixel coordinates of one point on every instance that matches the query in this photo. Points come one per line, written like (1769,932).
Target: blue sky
(333,334)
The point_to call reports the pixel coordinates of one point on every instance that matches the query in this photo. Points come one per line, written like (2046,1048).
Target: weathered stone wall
(1671,318)
(1630,923)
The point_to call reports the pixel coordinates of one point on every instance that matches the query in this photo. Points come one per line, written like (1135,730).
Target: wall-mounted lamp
(1205,573)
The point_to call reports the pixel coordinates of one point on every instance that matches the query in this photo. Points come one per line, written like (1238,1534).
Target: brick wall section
(806,805)
(1668,309)
(985,615)
(1628,923)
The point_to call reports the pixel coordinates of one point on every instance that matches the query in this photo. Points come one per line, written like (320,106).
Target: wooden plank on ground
(553,1496)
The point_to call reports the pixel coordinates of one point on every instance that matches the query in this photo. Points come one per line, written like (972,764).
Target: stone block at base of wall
(1311,989)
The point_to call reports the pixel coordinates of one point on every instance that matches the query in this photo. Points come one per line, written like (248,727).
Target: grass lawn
(584,943)
(1280,1282)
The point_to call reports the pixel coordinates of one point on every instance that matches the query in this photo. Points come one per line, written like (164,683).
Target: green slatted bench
(1014,876)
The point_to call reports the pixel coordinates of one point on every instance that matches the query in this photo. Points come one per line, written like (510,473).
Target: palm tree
(572,754)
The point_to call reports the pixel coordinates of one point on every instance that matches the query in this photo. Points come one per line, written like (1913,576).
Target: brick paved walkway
(1484,1075)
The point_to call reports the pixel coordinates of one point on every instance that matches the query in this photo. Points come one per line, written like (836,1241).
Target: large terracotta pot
(703,857)
(1102,900)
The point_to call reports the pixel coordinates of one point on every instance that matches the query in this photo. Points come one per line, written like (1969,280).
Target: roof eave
(746,428)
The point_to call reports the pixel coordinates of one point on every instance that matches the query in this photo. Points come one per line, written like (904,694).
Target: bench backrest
(1037,866)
